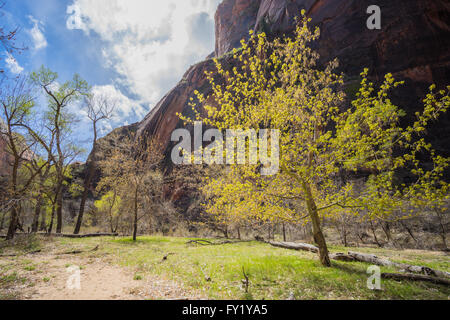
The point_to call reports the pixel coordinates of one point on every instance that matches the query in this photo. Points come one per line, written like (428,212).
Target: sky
(134,51)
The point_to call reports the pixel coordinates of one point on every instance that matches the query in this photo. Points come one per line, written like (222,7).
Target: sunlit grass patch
(216,270)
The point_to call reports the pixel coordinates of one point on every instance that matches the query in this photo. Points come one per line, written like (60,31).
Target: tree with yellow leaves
(279,85)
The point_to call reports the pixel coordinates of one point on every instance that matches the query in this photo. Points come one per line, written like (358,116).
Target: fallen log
(415,277)
(425,270)
(295,246)
(341,257)
(200,242)
(17,254)
(364,257)
(88,235)
(311,248)
(373,259)
(216,243)
(80,251)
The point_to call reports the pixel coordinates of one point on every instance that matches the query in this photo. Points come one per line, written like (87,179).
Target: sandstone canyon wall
(413,44)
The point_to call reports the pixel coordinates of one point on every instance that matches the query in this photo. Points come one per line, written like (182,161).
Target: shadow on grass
(351,268)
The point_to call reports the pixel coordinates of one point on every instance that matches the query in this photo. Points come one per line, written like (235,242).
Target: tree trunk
(444,240)
(37,213)
(14,218)
(344,235)
(59,211)
(443,230)
(43,225)
(81,211)
(2,221)
(387,231)
(52,218)
(319,238)
(239,233)
(111,224)
(372,227)
(284,232)
(410,233)
(338,229)
(360,236)
(307,232)
(12,223)
(87,185)
(135,215)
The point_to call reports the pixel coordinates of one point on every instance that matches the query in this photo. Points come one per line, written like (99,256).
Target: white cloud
(125,107)
(12,64)
(149,43)
(37,34)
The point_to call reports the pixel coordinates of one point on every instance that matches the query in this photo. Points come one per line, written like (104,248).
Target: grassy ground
(274,273)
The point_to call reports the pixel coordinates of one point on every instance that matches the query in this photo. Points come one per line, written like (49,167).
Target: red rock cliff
(414,44)
(234,18)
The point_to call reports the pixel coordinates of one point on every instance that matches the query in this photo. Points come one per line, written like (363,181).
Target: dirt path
(53,277)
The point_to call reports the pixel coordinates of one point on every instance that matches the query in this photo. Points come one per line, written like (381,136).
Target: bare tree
(8,39)
(99,108)
(133,166)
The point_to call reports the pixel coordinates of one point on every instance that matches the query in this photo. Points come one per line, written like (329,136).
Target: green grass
(21,244)
(10,278)
(7,284)
(274,273)
(29,268)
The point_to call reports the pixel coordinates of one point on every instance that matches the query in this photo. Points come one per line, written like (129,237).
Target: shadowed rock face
(234,18)
(414,40)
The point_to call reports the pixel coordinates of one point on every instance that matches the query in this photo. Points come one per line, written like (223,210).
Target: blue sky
(132,50)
